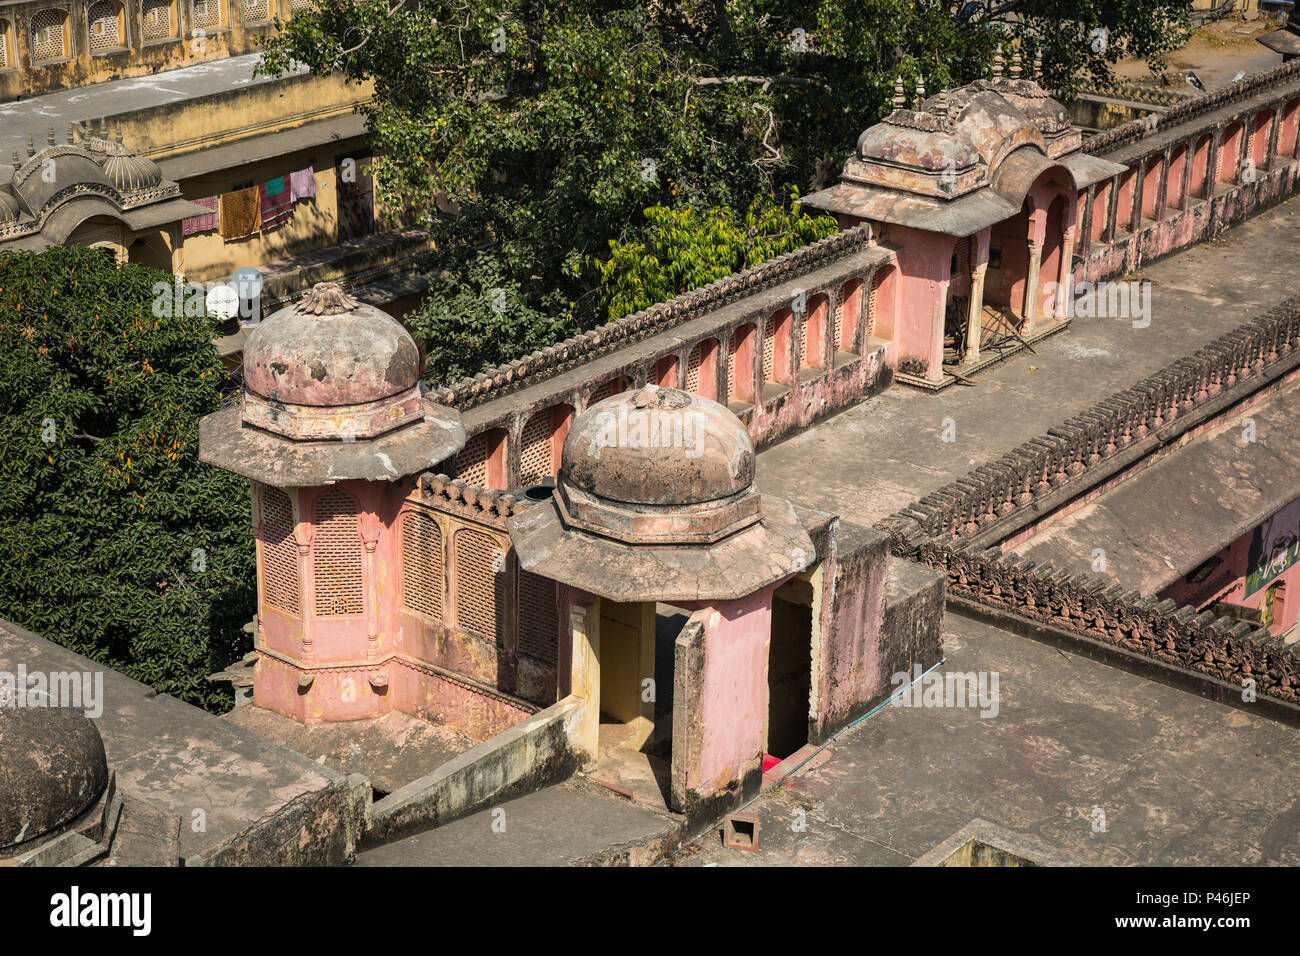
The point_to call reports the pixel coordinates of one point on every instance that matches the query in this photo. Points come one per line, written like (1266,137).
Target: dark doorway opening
(789,668)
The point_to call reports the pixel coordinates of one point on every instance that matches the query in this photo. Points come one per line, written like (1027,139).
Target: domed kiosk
(668,553)
(332,428)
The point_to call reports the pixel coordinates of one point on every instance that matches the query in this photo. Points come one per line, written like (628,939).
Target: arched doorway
(151,251)
(1050,271)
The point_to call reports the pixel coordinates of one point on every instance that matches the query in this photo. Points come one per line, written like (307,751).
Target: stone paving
(1180,780)
(879,456)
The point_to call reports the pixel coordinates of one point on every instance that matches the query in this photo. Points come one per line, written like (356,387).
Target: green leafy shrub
(114,540)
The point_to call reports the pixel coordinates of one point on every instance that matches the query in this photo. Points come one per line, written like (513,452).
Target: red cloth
(201,223)
(277,206)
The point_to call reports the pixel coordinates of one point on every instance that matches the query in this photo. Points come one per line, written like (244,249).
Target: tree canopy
(114,540)
(555,124)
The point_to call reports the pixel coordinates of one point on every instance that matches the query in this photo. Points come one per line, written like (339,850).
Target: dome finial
(997,63)
(1016,67)
(326,298)
(920,94)
(900,98)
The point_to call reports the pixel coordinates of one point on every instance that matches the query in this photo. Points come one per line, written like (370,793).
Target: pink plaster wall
(733,703)
(924,259)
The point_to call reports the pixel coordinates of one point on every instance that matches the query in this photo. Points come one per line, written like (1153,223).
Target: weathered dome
(53,769)
(129,172)
(659,446)
(9,208)
(331,367)
(655,501)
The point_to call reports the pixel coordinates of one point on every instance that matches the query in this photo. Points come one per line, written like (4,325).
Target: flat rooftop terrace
(886,452)
(1182,781)
(37,113)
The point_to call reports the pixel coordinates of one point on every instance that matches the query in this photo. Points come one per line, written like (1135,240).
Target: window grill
(538,620)
(471,461)
(104,31)
(296,5)
(279,552)
(837,324)
(608,390)
(336,555)
(803,342)
(769,348)
(207,14)
(693,365)
(255,10)
(4,44)
(422,564)
(536,457)
(49,35)
(156,20)
(478,557)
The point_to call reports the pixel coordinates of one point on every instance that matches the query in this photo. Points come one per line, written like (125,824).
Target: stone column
(584,680)
(1067,273)
(1031,287)
(975,318)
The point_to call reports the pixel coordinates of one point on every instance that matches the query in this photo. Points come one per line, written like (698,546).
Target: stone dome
(660,465)
(9,208)
(331,367)
(129,172)
(53,769)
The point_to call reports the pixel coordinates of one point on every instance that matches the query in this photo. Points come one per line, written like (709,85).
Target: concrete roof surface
(1164,521)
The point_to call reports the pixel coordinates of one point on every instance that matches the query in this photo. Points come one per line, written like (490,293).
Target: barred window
(609,389)
(255,10)
(769,348)
(5,58)
(296,5)
(279,552)
(538,621)
(471,460)
(536,454)
(104,19)
(695,363)
(49,35)
(422,564)
(208,15)
(478,558)
(336,555)
(157,22)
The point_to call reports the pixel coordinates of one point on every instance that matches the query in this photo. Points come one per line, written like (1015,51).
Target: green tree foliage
(556,123)
(114,540)
(681,249)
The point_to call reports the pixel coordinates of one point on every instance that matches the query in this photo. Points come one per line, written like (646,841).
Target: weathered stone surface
(52,767)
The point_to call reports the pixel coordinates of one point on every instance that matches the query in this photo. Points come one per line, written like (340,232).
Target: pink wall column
(720,704)
(925,260)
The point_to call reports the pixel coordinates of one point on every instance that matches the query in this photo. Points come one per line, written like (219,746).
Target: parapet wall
(958,528)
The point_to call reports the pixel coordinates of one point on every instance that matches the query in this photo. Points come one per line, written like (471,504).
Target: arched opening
(1200,183)
(1286,138)
(665,372)
(7,57)
(423,565)
(812,343)
(151,251)
(848,314)
(776,348)
(1100,211)
(740,365)
(278,550)
(1053,250)
(1261,130)
(336,555)
(1124,202)
(1151,188)
(479,599)
(106,26)
(702,371)
(608,389)
(482,461)
(50,37)
(884,303)
(99,232)
(1174,178)
(541,442)
(1229,155)
(1004,285)
(158,20)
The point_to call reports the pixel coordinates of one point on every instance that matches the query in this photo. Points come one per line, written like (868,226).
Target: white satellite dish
(222,302)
